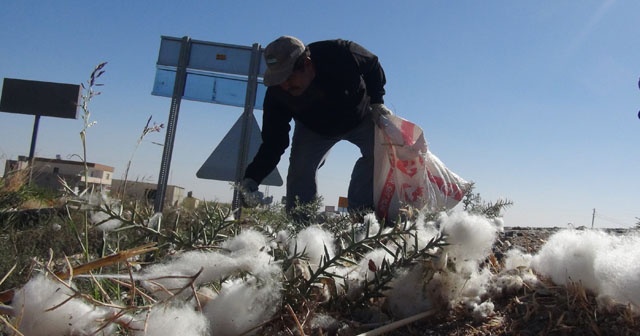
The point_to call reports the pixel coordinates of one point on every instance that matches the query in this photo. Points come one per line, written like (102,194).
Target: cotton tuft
(569,256)
(33,304)
(313,241)
(604,263)
(243,304)
(470,239)
(168,320)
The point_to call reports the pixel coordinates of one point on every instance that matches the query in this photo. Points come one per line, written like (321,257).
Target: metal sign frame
(193,58)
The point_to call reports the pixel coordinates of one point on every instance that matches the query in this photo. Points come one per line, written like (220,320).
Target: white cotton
(370,228)
(425,233)
(282,237)
(169,320)
(103,221)
(407,295)
(483,311)
(313,241)
(171,276)
(470,238)
(155,221)
(249,241)
(33,305)
(348,280)
(515,258)
(498,222)
(324,322)
(475,285)
(449,288)
(507,283)
(606,264)
(242,305)
(215,266)
(569,256)
(373,261)
(617,271)
(243,253)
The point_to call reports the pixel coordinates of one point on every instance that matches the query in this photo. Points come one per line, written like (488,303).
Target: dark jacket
(348,79)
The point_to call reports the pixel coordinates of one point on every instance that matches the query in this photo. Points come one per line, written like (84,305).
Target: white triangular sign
(222,163)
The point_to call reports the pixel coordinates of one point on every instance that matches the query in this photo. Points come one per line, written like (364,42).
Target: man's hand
(249,193)
(378,110)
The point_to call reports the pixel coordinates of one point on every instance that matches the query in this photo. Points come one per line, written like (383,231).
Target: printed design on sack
(412,193)
(407,130)
(387,194)
(448,189)
(388,189)
(408,174)
(410,167)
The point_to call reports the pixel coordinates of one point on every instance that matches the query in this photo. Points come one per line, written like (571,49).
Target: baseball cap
(281,56)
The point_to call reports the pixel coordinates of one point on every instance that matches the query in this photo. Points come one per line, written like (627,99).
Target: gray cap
(281,56)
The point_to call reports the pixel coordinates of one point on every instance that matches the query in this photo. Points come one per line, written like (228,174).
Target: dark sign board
(40,98)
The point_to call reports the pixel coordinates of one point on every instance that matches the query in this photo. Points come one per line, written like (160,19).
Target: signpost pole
(245,136)
(34,136)
(32,149)
(178,92)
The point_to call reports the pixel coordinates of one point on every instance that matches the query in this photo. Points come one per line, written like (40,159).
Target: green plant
(473,203)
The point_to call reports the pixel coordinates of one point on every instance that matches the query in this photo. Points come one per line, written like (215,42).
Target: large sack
(406,173)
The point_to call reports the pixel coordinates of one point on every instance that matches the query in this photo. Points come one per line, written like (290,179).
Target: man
(333,90)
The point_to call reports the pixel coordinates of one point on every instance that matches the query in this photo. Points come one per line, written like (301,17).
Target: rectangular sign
(207,87)
(216,72)
(209,56)
(40,98)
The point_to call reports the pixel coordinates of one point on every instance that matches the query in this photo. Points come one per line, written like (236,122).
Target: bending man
(334,91)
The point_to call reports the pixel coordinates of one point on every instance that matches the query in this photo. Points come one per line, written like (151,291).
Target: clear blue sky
(534,101)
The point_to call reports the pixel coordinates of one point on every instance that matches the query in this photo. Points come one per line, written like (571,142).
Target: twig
(6,310)
(8,273)
(398,324)
(108,260)
(135,290)
(295,319)
(5,321)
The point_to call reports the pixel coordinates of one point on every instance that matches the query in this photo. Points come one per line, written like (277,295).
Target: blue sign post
(214,73)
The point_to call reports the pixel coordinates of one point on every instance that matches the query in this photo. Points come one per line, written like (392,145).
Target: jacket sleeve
(275,139)
(371,71)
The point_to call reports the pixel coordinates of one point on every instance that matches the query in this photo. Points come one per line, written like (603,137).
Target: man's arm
(275,139)
(371,71)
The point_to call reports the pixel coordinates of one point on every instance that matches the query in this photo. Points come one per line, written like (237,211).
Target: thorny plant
(308,284)
(474,204)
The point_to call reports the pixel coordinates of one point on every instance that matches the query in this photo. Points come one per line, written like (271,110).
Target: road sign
(221,164)
(215,73)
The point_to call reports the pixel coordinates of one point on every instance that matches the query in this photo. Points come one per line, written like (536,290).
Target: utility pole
(593,218)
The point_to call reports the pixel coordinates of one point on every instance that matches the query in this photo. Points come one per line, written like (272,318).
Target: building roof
(69,162)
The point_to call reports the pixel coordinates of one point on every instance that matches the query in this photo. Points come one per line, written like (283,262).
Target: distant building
(330,208)
(145,191)
(46,173)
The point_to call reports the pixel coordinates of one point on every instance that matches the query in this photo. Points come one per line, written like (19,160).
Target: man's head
(288,65)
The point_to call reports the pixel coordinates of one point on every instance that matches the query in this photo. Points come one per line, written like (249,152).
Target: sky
(535,102)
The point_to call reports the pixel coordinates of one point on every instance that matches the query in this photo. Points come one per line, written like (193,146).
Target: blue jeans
(308,152)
